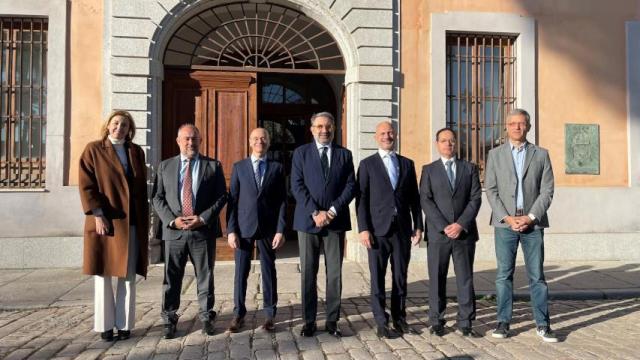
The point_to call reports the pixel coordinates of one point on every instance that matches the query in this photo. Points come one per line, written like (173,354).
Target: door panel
(223,106)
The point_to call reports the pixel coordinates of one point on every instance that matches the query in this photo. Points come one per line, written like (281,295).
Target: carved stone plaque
(582,149)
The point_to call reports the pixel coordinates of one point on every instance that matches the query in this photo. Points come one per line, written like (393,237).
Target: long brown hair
(104,130)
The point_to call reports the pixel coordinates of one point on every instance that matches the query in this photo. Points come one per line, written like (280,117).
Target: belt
(519,212)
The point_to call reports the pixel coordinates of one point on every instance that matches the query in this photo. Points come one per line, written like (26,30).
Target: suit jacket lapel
(382,169)
(248,164)
(332,163)
(267,174)
(402,171)
(173,168)
(203,168)
(531,149)
(460,172)
(508,159)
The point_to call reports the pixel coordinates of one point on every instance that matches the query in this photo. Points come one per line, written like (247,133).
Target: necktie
(392,171)
(452,179)
(258,173)
(187,191)
(324,160)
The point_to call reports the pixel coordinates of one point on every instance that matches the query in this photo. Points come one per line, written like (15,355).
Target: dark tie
(258,174)
(187,191)
(452,179)
(324,160)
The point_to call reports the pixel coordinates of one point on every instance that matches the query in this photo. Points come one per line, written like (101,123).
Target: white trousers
(118,312)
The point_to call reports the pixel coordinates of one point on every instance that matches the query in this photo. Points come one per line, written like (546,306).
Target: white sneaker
(547,334)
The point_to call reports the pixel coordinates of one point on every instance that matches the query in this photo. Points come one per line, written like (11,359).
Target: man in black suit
(323,184)
(256,214)
(189,192)
(389,220)
(450,194)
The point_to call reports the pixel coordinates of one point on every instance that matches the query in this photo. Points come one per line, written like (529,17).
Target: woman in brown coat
(113,191)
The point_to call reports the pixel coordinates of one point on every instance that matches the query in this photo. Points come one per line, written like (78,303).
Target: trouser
(201,252)
(268,271)
(396,247)
(439,254)
(506,244)
(310,245)
(121,311)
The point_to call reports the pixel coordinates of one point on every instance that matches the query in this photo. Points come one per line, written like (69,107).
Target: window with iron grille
(481,82)
(23,102)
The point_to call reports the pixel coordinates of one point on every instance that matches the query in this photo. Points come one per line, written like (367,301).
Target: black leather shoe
(107,335)
(384,332)
(468,332)
(207,327)
(308,330)
(332,328)
(169,331)
(124,334)
(437,330)
(402,327)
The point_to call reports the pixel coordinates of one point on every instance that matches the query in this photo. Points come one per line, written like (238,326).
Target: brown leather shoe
(268,325)
(236,324)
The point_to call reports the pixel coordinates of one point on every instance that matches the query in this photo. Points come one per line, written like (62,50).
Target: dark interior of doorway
(286,103)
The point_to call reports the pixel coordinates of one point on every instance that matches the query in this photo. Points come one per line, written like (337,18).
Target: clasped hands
(519,223)
(188,222)
(323,218)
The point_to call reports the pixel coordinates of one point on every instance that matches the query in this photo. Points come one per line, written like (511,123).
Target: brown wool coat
(103,184)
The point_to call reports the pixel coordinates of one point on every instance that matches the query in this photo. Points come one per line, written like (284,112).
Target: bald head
(189,140)
(385,135)
(259,140)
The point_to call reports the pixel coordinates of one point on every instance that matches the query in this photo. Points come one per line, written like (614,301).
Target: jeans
(506,243)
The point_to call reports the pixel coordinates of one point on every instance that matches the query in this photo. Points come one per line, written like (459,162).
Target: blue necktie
(392,171)
(452,178)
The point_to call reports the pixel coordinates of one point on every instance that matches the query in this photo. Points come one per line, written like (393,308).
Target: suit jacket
(377,201)
(537,184)
(443,206)
(312,192)
(123,199)
(250,209)
(210,198)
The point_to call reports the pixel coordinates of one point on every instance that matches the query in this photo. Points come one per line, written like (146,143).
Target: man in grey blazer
(519,185)
(189,192)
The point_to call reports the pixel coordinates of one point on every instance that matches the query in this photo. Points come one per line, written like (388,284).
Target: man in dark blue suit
(450,193)
(256,214)
(389,220)
(323,184)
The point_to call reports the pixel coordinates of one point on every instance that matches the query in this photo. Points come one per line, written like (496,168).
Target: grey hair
(326,114)
(518,111)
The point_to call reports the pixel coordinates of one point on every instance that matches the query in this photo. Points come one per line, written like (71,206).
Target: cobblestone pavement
(588,329)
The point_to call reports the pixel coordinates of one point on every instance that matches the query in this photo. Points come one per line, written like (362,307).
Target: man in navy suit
(389,220)
(450,193)
(256,214)
(323,184)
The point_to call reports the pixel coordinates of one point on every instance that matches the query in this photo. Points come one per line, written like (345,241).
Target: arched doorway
(236,66)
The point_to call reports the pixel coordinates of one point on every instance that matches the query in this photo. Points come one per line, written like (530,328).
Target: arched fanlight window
(254,36)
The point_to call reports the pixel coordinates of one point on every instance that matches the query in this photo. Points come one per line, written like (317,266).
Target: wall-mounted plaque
(582,149)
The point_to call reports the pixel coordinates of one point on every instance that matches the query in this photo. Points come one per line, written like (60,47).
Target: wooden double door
(223,106)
